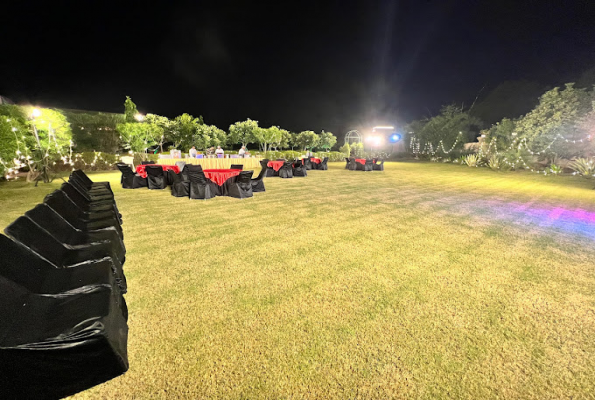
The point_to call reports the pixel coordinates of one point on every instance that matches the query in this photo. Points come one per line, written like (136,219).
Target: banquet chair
(104,208)
(309,164)
(61,203)
(58,227)
(147,162)
(179,187)
(323,164)
(353,165)
(237,166)
(258,182)
(31,235)
(53,346)
(26,268)
(200,187)
(299,169)
(87,182)
(155,177)
(129,179)
(359,167)
(286,171)
(369,165)
(346,163)
(241,187)
(379,167)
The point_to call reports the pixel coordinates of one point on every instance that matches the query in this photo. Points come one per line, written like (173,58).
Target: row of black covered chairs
(289,169)
(63,318)
(370,165)
(191,182)
(323,165)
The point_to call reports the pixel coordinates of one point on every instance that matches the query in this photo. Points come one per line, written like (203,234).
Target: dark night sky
(302,65)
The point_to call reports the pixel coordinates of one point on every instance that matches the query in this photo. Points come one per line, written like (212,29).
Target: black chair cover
(241,188)
(258,182)
(299,169)
(352,164)
(200,187)
(286,170)
(129,179)
(379,167)
(324,164)
(147,162)
(237,166)
(88,182)
(369,166)
(155,177)
(179,188)
(346,163)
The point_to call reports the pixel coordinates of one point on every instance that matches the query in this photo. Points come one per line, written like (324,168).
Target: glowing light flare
(394,138)
(36,113)
(374,140)
(139,117)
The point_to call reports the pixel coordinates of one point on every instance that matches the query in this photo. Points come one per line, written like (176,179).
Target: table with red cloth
(276,165)
(315,160)
(219,176)
(362,161)
(140,169)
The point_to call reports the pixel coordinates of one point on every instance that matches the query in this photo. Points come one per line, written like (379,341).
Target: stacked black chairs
(369,165)
(379,167)
(323,166)
(129,179)
(258,182)
(299,169)
(200,187)
(63,318)
(286,171)
(240,186)
(237,166)
(156,178)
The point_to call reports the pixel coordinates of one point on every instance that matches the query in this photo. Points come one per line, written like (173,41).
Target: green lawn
(426,280)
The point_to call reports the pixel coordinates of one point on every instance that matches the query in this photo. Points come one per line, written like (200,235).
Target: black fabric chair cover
(31,235)
(130,180)
(353,165)
(379,167)
(58,227)
(237,166)
(155,177)
(55,346)
(299,169)
(104,208)
(286,171)
(242,185)
(147,162)
(346,163)
(61,204)
(201,187)
(179,188)
(26,268)
(258,182)
(309,164)
(369,166)
(323,164)
(88,182)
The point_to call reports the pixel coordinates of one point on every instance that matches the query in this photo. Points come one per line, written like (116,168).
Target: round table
(140,169)
(219,176)
(276,165)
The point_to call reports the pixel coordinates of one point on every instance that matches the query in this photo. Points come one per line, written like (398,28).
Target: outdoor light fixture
(394,138)
(139,117)
(382,127)
(36,113)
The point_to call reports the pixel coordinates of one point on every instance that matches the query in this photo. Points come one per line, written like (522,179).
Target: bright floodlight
(36,113)
(394,138)
(374,140)
(139,117)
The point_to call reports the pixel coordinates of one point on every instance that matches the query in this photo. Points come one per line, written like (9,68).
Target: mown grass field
(425,281)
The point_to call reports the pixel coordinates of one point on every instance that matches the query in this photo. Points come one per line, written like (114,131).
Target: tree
(307,139)
(558,113)
(502,132)
(95,131)
(243,132)
(286,140)
(183,131)
(326,140)
(130,110)
(208,136)
(139,136)
(164,124)
(12,128)
(267,136)
(346,149)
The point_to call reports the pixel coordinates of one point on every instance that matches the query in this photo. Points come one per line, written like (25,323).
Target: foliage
(184,132)
(267,136)
(286,140)
(495,162)
(357,150)
(306,140)
(558,113)
(95,131)
(471,160)
(161,123)
(326,140)
(13,128)
(130,110)
(555,169)
(502,132)
(345,149)
(208,136)
(243,132)
(292,155)
(584,167)
(139,136)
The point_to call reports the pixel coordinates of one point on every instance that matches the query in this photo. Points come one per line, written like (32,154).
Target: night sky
(301,65)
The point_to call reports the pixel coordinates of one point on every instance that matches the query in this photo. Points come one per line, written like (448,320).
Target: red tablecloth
(316,160)
(362,161)
(140,169)
(219,176)
(276,165)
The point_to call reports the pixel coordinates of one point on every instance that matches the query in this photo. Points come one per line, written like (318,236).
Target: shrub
(495,162)
(471,160)
(584,167)
(555,169)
